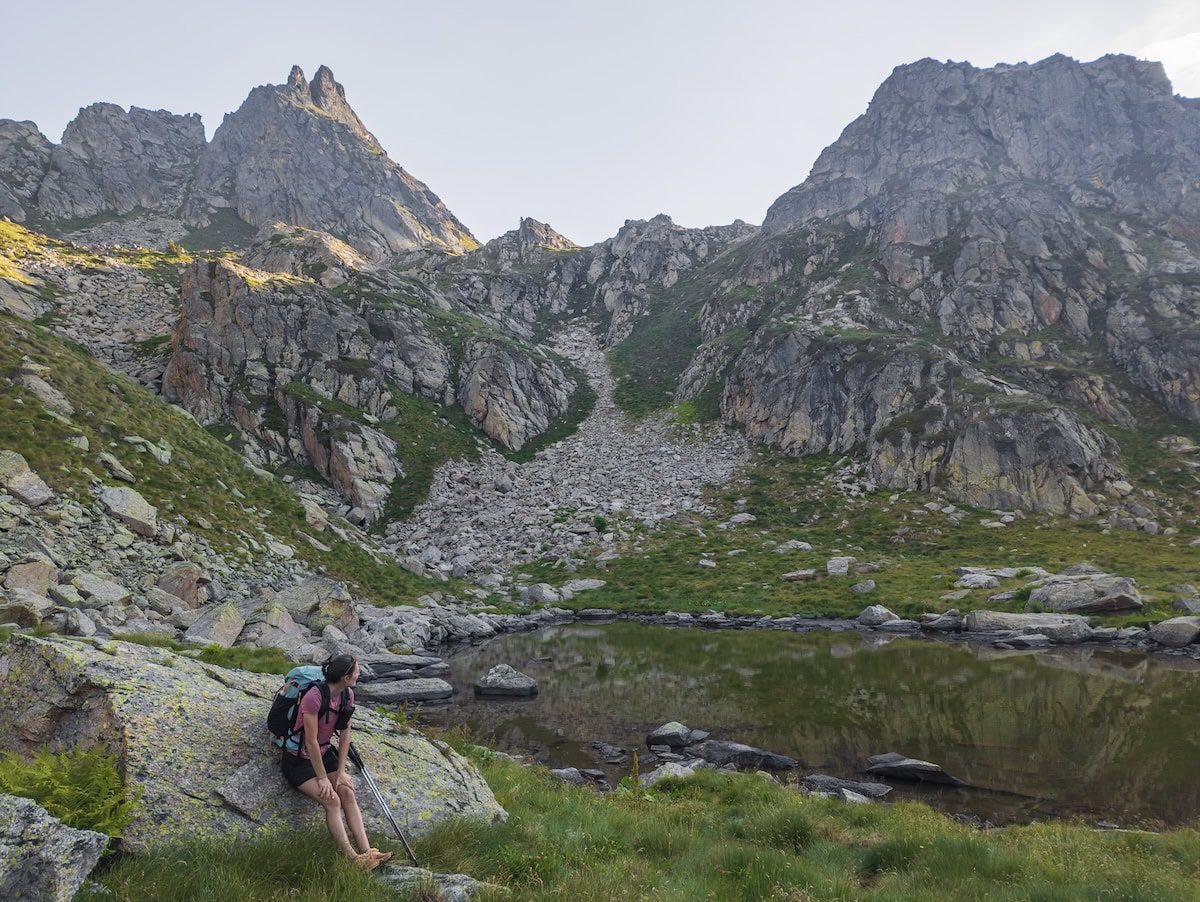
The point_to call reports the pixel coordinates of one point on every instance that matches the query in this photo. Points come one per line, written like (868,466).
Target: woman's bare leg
(354,821)
(333,816)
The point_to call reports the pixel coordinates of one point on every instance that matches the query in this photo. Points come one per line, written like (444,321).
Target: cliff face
(1030,234)
(311,377)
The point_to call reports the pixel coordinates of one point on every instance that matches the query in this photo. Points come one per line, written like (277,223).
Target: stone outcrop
(113,161)
(41,858)
(24,159)
(193,737)
(919,419)
(297,153)
(262,351)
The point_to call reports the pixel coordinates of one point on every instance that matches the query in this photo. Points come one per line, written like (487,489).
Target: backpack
(282,720)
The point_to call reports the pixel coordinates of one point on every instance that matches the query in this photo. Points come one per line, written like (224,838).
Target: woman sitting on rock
(319,769)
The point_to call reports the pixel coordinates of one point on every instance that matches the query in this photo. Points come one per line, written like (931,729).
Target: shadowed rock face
(297,153)
(113,161)
(24,159)
(193,738)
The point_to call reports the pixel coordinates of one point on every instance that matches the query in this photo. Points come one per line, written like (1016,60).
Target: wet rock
(824,783)
(390,692)
(743,757)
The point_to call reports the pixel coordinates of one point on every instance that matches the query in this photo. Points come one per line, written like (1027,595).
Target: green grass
(255,660)
(715,836)
(721,836)
(226,231)
(647,365)
(197,484)
(792,500)
(299,866)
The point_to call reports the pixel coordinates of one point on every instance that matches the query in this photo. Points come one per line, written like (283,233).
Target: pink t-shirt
(311,704)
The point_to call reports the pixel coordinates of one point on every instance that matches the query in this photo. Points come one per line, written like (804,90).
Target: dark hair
(336,668)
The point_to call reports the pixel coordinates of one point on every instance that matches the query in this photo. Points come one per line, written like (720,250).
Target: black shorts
(298,771)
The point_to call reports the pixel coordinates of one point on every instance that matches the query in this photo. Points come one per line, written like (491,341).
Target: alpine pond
(1104,735)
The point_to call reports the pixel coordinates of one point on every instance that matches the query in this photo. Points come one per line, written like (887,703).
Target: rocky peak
(115,161)
(298,154)
(330,98)
(1111,129)
(530,242)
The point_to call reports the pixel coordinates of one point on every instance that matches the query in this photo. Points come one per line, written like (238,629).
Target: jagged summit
(294,153)
(297,153)
(1110,130)
(328,96)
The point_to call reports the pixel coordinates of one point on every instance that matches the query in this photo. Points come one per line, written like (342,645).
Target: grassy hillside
(206,483)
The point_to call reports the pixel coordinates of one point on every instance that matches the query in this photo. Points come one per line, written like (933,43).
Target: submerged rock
(902,767)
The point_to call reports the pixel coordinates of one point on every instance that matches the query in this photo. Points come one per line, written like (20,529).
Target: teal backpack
(286,732)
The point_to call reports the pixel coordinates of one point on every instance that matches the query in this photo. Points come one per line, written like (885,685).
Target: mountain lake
(1091,733)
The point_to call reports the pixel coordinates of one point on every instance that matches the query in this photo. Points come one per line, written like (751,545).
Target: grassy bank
(716,836)
(914,543)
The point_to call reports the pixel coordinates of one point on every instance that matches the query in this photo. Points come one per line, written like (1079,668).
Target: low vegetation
(916,549)
(715,836)
(82,788)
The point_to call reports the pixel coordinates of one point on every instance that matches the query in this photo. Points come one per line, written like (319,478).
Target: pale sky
(581,115)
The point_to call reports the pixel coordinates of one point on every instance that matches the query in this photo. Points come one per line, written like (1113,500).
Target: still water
(1091,733)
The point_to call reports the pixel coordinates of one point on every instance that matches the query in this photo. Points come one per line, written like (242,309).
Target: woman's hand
(325,788)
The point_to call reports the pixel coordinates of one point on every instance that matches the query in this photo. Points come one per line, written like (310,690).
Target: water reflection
(1092,732)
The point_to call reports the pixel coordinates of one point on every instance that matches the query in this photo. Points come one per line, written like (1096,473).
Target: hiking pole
(357,760)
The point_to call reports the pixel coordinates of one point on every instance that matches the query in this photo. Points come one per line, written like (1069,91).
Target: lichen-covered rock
(193,737)
(1065,628)
(1091,594)
(41,858)
(1176,632)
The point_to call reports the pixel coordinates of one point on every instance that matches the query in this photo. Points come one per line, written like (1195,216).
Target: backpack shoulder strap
(323,688)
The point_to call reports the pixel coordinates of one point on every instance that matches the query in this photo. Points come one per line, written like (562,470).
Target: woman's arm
(324,786)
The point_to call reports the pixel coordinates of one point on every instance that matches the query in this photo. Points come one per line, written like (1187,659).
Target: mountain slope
(982,278)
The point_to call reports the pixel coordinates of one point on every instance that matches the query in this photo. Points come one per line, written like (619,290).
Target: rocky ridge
(295,153)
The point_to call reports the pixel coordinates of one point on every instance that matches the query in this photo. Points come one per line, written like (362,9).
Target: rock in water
(503,680)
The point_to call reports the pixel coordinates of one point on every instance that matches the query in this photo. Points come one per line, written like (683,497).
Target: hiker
(318,768)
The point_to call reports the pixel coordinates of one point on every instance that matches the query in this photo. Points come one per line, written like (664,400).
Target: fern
(82,788)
